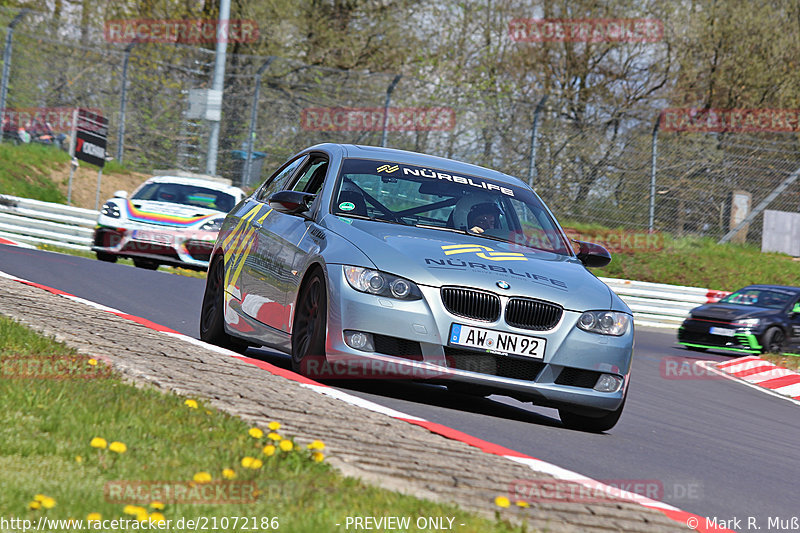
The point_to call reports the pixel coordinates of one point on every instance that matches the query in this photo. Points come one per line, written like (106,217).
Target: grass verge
(693,261)
(25,171)
(789,361)
(51,469)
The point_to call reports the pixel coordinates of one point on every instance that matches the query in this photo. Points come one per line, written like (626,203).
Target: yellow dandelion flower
(133,509)
(256,464)
(256,493)
(92,362)
(316,445)
(228,473)
(143,516)
(256,433)
(522,503)
(274,436)
(78,459)
(502,501)
(191,403)
(208,412)
(48,502)
(94,517)
(98,442)
(274,426)
(286,445)
(269,450)
(157,505)
(34,505)
(118,447)
(157,517)
(318,457)
(39,497)
(202,477)
(247,461)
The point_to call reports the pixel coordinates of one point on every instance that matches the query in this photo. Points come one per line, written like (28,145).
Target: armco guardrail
(35,222)
(659,304)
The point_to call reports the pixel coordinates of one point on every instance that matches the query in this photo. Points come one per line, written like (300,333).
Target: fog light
(359,340)
(608,383)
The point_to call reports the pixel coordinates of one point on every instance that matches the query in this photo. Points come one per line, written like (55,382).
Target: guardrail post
(652,220)
(253,113)
(386,107)
(532,173)
(123,100)
(7,64)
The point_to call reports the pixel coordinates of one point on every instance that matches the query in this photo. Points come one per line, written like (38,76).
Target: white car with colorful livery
(170,220)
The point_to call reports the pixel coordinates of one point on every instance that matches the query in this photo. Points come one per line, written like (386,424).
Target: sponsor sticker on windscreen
(497,341)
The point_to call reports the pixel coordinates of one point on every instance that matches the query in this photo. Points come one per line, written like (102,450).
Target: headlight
(213,225)
(604,322)
(748,322)
(381,283)
(110,210)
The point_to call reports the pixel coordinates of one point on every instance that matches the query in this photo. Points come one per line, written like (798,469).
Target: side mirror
(592,255)
(290,202)
(120,194)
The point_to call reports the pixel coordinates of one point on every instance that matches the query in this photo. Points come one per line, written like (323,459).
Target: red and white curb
(10,242)
(765,375)
(689,520)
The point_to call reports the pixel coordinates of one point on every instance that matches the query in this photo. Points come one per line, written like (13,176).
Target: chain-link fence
(593,164)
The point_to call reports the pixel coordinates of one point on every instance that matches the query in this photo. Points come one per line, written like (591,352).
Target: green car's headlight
(605,322)
(381,283)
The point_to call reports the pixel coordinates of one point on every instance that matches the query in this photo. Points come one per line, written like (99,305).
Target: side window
(312,175)
(278,181)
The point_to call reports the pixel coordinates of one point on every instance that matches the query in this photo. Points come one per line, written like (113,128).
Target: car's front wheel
(310,322)
(773,340)
(147,264)
(212,314)
(590,423)
(109,258)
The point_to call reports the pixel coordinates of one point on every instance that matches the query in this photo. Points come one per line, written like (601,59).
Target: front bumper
(698,333)
(179,247)
(411,341)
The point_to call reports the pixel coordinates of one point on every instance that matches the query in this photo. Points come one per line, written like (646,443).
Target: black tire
(310,321)
(773,340)
(589,423)
(147,264)
(109,258)
(212,314)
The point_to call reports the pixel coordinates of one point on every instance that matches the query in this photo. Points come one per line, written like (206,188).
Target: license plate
(497,341)
(722,331)
(152,236)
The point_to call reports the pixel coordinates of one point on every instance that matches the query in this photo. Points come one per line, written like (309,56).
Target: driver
(483,216)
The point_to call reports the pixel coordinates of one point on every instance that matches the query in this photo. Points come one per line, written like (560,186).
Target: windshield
(432,198)
(771,298)
(195,195)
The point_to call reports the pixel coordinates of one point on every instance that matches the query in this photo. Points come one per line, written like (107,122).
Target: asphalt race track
(716,447)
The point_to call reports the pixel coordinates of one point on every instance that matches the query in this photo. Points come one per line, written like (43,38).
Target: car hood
(166,213)
(437,258)
(730,312)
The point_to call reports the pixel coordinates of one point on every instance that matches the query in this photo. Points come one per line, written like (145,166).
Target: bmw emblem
(503,285)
